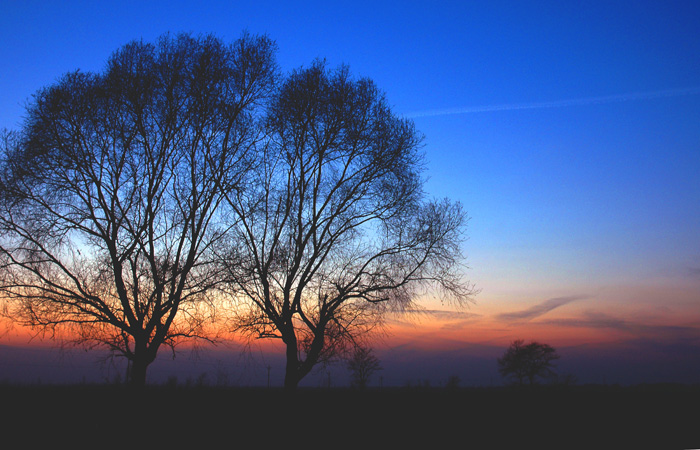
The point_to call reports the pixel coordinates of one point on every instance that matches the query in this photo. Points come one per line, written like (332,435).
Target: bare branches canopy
(190,168)
(335,229)
(112,191)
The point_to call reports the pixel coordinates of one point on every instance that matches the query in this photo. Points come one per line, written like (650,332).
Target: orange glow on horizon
(598,320)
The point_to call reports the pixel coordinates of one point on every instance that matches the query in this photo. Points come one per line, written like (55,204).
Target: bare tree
(111,192)
(362,364)
(335,230)
(527,362)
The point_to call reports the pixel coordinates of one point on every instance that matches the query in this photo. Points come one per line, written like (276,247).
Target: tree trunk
(142,357)
(137,372)
(291,374)
(296,370)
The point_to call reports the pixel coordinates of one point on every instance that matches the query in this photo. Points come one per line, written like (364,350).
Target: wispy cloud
(693,271)
(598,320)
(539,309)
(442,316)
(559,103)
(451,315)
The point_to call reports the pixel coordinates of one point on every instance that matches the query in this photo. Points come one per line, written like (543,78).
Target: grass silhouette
(590,416)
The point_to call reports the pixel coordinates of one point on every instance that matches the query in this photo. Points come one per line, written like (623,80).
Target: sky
(569,131)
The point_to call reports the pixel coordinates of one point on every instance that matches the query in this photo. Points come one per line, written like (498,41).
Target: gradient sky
(570,131)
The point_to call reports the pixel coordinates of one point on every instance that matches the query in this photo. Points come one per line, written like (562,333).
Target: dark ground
(596,417)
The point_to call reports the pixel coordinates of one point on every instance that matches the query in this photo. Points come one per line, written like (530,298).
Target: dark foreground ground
(596,417)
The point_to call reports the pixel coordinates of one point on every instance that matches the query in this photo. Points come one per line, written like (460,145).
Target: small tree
(527,362)
(453,382)
(362,365)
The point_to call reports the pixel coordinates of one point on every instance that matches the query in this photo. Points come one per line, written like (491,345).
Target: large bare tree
(111,192)
(335,229)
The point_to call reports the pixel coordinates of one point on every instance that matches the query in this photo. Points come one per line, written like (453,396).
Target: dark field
(597,417)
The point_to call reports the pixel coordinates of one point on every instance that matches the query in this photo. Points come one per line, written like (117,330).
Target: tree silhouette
(527,362)
(362,365)
(334,230)
(109,211)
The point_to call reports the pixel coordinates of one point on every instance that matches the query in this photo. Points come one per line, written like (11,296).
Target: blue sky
(570,131)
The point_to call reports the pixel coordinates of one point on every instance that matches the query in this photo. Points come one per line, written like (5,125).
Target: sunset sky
(570,132)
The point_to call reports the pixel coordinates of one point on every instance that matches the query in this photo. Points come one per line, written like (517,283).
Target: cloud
(442,316)
(693,272)
(560,103)
(451,315)
(663,332)
(539,309)
(596,320)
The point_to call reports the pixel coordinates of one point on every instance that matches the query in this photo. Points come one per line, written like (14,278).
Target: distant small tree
(453,382)
(362,365)
(565,379)
(527,362)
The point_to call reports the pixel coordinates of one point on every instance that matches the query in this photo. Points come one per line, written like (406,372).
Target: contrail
(559,103)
